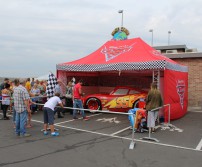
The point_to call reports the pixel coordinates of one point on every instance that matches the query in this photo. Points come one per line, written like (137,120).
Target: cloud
(35,35)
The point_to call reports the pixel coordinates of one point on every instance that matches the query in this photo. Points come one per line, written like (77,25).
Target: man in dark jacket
(2,86)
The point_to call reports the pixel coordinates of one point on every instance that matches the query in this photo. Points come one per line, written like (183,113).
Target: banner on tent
(176,93)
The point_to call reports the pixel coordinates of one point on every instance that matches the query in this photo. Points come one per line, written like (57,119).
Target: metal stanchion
(132,143)
(149,137)
(168,125)
(163,125)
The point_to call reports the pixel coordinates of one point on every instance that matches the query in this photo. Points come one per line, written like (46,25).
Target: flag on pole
(50,89)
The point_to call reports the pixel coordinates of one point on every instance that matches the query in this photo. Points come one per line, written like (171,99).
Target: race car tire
(93,104)
(135,104)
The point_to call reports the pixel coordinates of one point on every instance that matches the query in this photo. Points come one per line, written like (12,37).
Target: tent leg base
(132,145)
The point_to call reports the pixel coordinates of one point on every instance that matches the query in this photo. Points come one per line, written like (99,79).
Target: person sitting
(138,119)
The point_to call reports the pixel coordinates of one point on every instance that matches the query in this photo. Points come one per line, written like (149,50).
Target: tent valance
(162,64)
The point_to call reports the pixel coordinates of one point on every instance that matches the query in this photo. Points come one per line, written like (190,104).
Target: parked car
(121,99)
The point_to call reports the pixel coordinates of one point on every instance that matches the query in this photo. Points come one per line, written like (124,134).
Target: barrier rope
(132,144)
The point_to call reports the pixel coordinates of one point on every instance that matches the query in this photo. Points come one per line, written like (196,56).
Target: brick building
(193,59)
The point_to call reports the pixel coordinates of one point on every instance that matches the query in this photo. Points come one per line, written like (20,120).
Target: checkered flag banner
(50,89)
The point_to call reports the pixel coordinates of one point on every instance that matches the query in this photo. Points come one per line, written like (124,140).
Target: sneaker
(45,132)
(85,118)
(6,118)
(26,135)
(54,134)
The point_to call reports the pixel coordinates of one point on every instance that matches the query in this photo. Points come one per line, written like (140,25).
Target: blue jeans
(78,104)
(21,119)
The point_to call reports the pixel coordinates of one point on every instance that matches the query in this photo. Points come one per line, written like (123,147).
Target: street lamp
(121,11)
(151,30)
(169,32)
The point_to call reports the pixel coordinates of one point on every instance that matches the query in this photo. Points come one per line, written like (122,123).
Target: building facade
(193,59)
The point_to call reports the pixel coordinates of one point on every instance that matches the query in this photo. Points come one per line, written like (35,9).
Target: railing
(166,124)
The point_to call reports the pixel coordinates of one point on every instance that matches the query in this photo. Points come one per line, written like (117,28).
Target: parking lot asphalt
(103,141)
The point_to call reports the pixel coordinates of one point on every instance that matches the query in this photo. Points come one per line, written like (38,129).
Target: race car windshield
(132,92)
(121,92)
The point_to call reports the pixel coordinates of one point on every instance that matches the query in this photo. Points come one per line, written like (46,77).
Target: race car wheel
(135,104)
(93,104)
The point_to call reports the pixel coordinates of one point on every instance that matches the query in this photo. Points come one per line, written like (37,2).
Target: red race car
(121,99)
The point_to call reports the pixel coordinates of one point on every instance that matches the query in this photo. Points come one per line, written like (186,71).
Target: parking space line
(199,146)
(120,131)
(126,138)
(78,118)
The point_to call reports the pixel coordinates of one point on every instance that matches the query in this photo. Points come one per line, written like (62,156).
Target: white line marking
(120,131)
(79,118)
(110,120)
(199,145)
(142,141)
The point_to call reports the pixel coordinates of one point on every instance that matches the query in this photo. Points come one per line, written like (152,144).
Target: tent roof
(128,54)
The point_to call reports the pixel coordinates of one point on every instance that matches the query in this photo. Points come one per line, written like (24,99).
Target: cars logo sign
(113,51)
(181,90)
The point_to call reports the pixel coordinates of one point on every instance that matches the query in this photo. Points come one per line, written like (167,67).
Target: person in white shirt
(48,109)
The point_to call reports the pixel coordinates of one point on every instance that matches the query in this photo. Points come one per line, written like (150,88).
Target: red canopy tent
(133,57)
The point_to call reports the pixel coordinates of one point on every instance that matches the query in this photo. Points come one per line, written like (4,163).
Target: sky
(35,35)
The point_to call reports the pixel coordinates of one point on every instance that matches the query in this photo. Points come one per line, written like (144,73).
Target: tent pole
(156,77)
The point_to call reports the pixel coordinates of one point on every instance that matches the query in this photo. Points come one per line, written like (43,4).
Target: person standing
(28,85)
(2,86)
(77,102)
(35,92)
(153,100)
(68,97)
(59,91)
(6,99)
(33,82)
(21,105)
(49,113)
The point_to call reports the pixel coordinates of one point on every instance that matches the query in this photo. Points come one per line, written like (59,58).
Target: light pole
(169,32)
(121,11)
(151,30)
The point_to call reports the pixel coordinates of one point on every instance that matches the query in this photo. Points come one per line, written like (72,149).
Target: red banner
(175,93)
